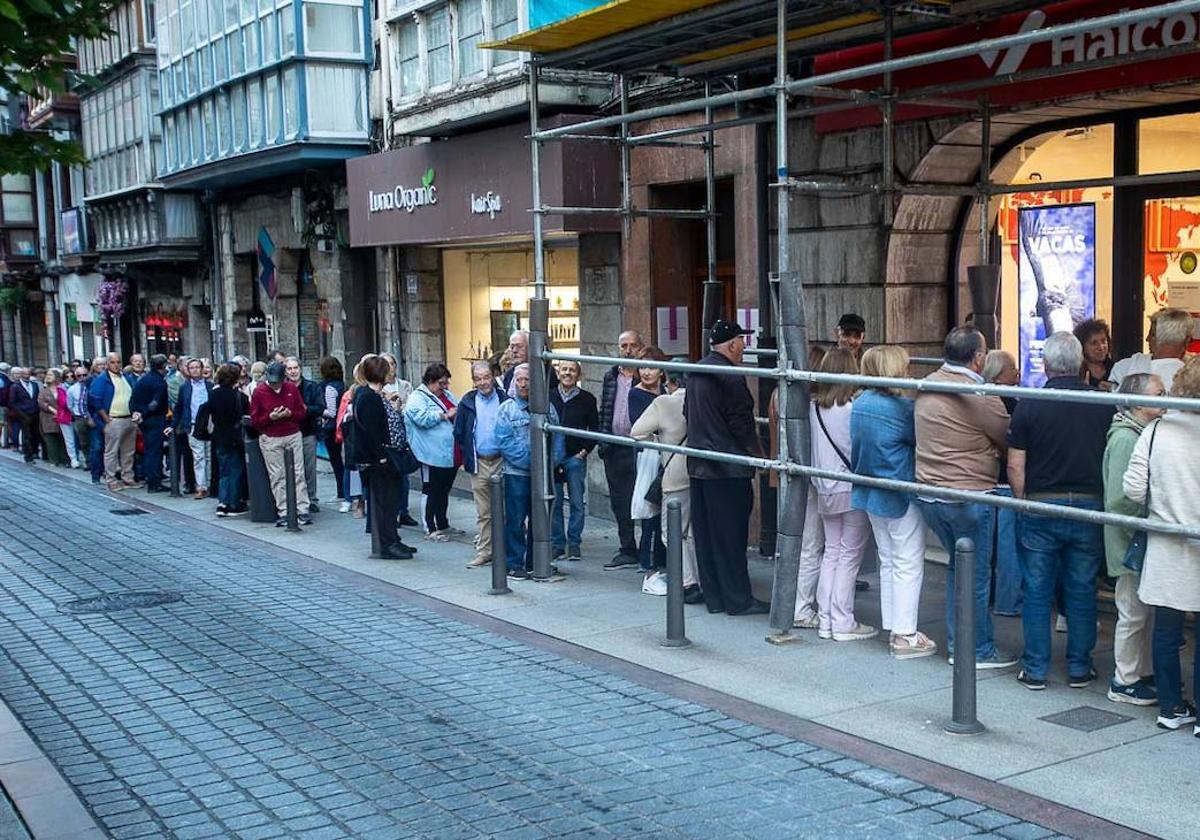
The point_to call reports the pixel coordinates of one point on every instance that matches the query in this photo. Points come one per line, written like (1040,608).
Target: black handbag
(402,459)
(654,493)
(1135,555)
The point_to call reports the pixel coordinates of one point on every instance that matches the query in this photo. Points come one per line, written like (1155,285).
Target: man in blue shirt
(475,434)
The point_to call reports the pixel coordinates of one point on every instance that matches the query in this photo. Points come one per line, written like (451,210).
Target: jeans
(1008,559)
(576,488)
(1054,550)
(518,548)
(152,441)
(950,521)
(96,451)
(1168,676)
(231,464)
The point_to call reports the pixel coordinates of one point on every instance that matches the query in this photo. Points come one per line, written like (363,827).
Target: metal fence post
(176,463)
(499,552)
(675,628)
(289,477)
(963,721)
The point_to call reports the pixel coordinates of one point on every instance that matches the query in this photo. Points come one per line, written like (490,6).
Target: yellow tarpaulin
(609,19)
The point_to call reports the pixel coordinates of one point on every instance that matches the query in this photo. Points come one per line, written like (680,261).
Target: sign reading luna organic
(476,186)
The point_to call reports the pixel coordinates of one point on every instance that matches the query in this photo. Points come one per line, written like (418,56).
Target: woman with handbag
(228,406)
(378,439)
(652,553)
(332,387)
(429,418)
(846,529)
(1164,475)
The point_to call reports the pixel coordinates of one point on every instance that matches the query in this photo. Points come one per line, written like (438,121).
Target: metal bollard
(499,554)
(176,465)
(675,629)
(377,545)
(963,721)
(289,477)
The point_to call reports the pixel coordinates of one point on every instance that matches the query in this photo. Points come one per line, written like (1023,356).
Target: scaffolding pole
(713,303)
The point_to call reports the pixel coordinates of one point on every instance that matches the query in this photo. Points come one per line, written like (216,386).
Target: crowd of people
(378,430)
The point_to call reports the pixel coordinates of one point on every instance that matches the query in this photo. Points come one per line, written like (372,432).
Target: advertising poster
(1056,276)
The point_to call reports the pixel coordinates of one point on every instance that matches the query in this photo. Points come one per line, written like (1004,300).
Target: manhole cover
(1086,718)
(128,512)
(116,601)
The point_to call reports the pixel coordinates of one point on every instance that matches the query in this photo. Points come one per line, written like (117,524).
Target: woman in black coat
(372,439)
(227,406)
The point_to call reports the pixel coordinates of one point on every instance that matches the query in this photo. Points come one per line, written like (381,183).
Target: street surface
(276,699)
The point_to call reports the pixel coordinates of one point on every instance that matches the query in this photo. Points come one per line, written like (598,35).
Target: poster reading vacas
(1057,277)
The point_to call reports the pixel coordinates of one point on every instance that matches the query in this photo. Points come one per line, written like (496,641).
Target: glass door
(1171,256)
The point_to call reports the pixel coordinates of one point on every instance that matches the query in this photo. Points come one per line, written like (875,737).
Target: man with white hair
(1055,455)
(1170,333)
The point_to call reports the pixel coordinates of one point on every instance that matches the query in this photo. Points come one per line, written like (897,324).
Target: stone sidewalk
(1069,746)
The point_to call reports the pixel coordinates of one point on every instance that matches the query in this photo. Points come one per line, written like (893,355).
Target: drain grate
(116,601)
(128,512)
(1086,718)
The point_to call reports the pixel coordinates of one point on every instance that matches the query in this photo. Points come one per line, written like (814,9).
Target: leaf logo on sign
(427,178)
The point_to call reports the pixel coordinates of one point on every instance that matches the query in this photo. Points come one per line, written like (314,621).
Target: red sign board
(1127,40)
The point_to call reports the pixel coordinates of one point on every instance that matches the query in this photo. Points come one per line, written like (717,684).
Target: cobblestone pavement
(278,700)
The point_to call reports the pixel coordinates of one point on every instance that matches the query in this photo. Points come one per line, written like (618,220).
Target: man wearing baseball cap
(851,330)
(720,418)
(276,412)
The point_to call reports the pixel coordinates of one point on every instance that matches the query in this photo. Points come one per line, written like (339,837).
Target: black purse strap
(828,437)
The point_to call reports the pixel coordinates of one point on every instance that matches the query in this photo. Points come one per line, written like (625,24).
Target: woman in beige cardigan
(1166,465)
(664,419)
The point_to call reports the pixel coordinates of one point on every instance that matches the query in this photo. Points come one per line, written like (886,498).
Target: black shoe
(573,555)
(156,489)
(1082,681)
(304,519)
(756,607)
(559,554)
(714,608)
(408,521)
(1031,682)
(240,510)
(411,549)
(518,574)
(222,510)
(313,508)
(693,594)
(861,585)
(621,561)
(281,522)
(396,552)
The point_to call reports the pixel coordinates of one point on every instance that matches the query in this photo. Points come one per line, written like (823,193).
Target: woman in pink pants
(846,529)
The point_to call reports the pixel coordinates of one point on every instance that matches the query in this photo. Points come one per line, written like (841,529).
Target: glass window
(291,102)
(437,39)
(251,35)
(232,13)
(18,207)
(1169,144)
(210,129)
(335,96)
(287,30)
(249,10)
(223,121)
(21,244)
(271,95)
(216,18)
(169,142)
(470,35)
(204,61)
(238,103)
(220,65)
(409,57)
(148,20)
(183,152)
(332,29)
(270,44)
(197,144)
(187,21)
(254,112)
(237,58)
(504,25)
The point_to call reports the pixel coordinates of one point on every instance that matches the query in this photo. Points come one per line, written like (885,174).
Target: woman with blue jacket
(429,420)
(882,442)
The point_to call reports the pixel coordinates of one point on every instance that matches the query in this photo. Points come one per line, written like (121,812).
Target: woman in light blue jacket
(429,420)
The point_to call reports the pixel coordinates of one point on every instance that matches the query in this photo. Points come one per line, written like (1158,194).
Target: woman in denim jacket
(429,421)
(882,446)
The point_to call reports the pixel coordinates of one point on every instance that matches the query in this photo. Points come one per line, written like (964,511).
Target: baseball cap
(723,331)
(850,322)
(275,373)
(5,367)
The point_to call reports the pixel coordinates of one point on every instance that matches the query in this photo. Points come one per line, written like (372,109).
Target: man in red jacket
(276,412)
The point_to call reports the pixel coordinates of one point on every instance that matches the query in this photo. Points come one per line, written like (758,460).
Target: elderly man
(1170,333)
(81,418)
(23,411)
(1055,453)
(720,418)
(314,400)
(475,434)
(138,362)
(109,399)
(193,394)
(620,462)
(276,411)
(960,441)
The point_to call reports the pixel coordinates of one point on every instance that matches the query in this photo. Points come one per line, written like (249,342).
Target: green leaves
(427,178)
(9,11)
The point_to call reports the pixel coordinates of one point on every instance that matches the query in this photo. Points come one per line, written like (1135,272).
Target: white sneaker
(858,633)
(655,584)
(344,507)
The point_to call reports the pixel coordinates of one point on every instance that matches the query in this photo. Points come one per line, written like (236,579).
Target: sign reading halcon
(405,198)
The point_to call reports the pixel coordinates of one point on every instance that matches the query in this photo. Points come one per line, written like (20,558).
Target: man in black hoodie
(150,400)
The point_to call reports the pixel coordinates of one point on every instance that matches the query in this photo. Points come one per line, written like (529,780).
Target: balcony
(148,225)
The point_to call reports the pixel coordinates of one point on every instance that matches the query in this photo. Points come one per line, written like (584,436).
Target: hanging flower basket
(112,295)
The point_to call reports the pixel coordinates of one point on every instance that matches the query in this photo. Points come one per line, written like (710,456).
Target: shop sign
(406,198)
(489,203)
(1166,30)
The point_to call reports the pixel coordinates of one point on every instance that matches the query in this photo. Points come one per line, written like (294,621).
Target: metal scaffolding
(787,285)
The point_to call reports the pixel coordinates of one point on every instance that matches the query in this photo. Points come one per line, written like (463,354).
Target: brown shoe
(479,561)
(133,485)
(115,486)
(201,494)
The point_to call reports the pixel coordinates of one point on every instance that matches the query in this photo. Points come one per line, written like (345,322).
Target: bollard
(176,466)
(675,629)
(499,554)
(963,720)
(289,477)
(376,520)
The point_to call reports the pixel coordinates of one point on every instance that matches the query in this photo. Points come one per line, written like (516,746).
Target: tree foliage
(34,36)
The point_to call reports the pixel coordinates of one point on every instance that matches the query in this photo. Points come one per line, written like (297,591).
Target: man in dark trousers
(620,462)
(720,418)
(23,411)
(150,400)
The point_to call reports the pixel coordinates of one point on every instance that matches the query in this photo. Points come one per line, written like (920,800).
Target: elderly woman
(52,403)
(429,419)
(883,445)
(1164,474)
(1093,334)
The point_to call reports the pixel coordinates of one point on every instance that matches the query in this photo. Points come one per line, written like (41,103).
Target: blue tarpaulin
(545,12)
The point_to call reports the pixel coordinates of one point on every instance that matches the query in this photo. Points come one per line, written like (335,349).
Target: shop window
(1169,144)
(437,38)
(331,29)
(470,35)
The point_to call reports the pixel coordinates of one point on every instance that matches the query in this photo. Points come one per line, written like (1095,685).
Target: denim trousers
(96,450)
(1053,551)
(231,464)
(1168,676)
(576,491)
(1008,559)
(152,442)
(951,521)
(518,549)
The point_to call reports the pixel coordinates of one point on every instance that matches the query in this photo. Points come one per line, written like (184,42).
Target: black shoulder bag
(654,493)
(828,437)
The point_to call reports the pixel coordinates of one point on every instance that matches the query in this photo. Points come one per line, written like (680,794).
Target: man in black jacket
(620,462)
(150,400)
(720,418)
(577,410)
(23,411)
